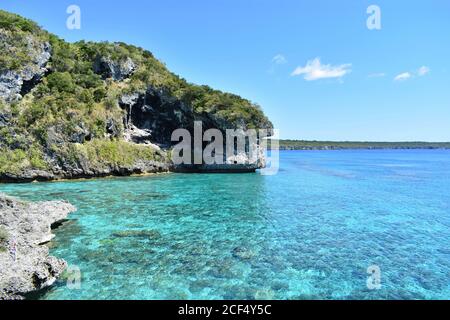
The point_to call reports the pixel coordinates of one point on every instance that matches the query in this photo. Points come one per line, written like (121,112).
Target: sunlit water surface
(311,231)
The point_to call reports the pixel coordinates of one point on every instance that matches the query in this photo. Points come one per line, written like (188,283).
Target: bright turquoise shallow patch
(309,232)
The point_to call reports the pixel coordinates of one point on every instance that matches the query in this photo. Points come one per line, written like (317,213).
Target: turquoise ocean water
(309,232)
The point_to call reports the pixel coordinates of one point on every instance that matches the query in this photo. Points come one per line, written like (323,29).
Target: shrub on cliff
(14,22)
(14,44)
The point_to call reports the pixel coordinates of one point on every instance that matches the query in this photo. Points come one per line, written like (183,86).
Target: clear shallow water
(309,232)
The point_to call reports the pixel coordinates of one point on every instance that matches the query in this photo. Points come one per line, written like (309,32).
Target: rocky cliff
(25,264)
(84,109)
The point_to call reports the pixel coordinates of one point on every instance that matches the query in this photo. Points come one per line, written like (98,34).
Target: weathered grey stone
(27,175)
(129,99)
(55,135)
(4,119)
(156,112)
(25,265)
(136,135)
(10,85)
(80,134)
(15,83)
(113,129)
(153,115)
(117,70)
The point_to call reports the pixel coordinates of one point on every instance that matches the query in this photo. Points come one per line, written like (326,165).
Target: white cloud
(377,75)
(315,70)
(279,59)
(403,76)
(423,71)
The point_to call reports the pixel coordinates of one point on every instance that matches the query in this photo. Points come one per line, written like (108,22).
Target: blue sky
(314,66)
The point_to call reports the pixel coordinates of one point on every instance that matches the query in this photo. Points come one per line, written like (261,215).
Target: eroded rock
(117,70)
(243,253)
(16,83)
(25,264)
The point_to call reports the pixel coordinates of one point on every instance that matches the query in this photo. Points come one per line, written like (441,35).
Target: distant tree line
(341,145)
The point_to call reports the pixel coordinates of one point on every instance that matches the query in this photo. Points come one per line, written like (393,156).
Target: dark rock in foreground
(25,263)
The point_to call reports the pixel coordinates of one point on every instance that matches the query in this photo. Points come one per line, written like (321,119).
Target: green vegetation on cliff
(14,29)
(71,102)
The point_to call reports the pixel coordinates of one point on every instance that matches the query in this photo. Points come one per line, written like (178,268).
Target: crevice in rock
(154,115)
(58,224)
(28,85)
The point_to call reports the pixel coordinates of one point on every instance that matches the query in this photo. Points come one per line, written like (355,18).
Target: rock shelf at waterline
(25,228)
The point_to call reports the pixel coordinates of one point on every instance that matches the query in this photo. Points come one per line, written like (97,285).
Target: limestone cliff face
(117,70)
(96,109)
(25,264)
(16,83)
(151,117)
(156,112)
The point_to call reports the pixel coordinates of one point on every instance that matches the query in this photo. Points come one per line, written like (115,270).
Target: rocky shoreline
(142,168)
(25,264)
(29,176)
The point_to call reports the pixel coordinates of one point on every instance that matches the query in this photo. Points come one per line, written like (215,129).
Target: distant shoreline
(349,145)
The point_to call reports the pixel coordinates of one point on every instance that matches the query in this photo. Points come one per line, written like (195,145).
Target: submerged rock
(243,253)
(146,234)
(25,263)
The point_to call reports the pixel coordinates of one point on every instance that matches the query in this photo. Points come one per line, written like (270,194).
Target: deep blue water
(311,231)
